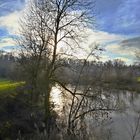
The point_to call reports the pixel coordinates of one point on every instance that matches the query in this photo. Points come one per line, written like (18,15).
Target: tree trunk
(47,107)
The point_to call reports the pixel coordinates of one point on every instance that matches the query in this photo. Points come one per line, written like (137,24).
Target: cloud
(99,37)
(103,37)
(132,42)
(10,22)
(9,25)
(116,53)
(127,47)
(118,49)
(91,39)
(6,42)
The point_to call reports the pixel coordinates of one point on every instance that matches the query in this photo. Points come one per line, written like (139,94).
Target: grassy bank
(7,85)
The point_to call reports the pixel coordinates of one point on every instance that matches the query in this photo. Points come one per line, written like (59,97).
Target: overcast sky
(117,26)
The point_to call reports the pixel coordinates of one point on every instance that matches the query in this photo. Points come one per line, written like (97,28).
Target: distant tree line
(7,65)
(108,72)
(115,71)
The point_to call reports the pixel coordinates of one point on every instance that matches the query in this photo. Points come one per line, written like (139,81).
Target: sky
(117,27)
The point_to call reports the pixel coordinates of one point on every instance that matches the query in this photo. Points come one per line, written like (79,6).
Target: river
(123,124)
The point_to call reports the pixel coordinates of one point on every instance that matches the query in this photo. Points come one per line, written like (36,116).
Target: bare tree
(47,26)
(85,103)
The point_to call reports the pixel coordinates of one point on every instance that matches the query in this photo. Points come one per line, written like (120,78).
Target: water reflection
(124,123)
(56,97)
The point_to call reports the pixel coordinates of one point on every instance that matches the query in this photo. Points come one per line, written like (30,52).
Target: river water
(123,124)
(126,124)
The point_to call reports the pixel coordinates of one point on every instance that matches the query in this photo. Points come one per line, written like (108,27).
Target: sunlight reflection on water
(56,97)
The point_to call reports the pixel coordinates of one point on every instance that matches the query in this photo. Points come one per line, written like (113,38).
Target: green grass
(7,85)
(138,79)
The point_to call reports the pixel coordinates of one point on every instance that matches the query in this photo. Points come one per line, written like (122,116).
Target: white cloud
(118,49)
(103,37)
(10,22)
(99,38)
(7,42)
(92,38)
